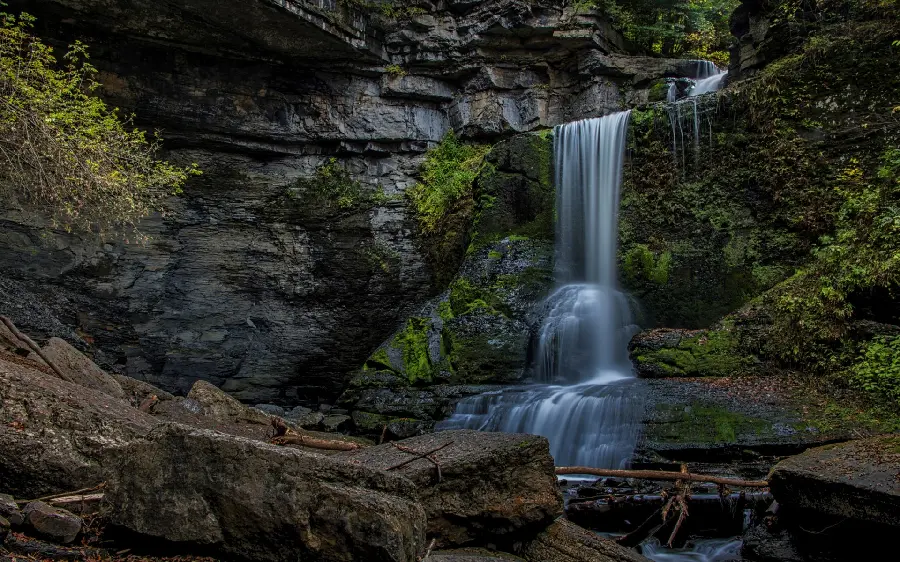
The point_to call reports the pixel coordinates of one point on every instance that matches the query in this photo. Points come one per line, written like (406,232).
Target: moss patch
(710,353)
(705,424)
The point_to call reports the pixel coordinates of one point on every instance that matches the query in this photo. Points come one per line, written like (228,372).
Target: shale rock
(221,407)
(53,433)
(255,501)
(80,369)
(472,555)
(57,525)
(490,485)
(566,542)
(857,479)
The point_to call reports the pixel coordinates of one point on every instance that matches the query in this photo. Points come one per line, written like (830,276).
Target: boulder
(296,413)
(80,369)
(53,433)
(567,542)
(665,352)
(336,422)
(857,479)
(9,510)
(490,485)
(222,408)
(137,391)
(271,409)
(52,523)
(254,501)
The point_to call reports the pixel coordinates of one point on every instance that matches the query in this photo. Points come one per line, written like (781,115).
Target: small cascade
(688,116)
(595,419)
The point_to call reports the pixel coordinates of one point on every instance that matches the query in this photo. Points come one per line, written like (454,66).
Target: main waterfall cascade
(586,405)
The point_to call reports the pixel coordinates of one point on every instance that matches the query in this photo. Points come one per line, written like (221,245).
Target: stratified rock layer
(491,487)
(566,542)
(858,479)
(256,501)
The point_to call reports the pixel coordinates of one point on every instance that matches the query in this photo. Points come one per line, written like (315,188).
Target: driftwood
(35,348)
(70,500)
(603,506)
(292,438)
(662,475)
(53,497)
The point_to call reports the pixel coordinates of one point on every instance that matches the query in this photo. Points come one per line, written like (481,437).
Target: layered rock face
(271,292)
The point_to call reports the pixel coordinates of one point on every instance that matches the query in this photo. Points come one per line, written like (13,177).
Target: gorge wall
(254,279)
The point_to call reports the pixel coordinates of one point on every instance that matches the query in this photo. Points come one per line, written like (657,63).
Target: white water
(705,550)
(595,419)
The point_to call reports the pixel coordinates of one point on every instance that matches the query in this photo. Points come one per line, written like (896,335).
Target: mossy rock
(687,353)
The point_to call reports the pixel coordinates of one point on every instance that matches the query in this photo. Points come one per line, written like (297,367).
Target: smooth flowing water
(586,405)
(704,550)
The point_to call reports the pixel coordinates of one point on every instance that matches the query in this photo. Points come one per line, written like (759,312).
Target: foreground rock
(566,542)
(490,486)
(80,369)
(472,555)
(53,433)
(221,407)
(57,525)
(256,501)
(857,479)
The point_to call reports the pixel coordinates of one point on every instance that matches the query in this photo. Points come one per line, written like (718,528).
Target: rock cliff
(271,291)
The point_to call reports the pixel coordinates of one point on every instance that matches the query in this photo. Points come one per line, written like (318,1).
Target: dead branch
(70,500)
(35,348)
(281,428)
(315,443)
(81,492)
(661,475)
(682,515)
(418,456)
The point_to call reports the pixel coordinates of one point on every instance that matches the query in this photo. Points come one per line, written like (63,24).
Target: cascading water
(593,420)
(686,115)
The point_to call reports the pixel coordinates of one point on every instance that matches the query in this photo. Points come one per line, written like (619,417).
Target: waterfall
(686,115)
(586,406)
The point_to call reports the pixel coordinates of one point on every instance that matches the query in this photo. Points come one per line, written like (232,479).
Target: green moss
(413,343)
(378,360)
(702,423)
(332,188)
(465,298)
(658,91)
(712,353)
(641,263)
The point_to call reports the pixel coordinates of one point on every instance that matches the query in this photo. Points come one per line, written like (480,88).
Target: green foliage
(413,343)
(878,368)
(395,70)
(63,151)
(640,262)
(334,189)
(674,28)
(465,298)
(390,9)
(447,176)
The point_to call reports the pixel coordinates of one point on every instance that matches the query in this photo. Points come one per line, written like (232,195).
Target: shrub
(878,369)
(63,152)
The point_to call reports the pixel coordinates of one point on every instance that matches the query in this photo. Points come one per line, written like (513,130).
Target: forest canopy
(672,28)
(63,151)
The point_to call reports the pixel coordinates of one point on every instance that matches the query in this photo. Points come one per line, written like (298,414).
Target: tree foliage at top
(63,152)
(672,28)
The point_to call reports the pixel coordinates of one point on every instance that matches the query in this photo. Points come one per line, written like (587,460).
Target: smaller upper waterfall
(708,78)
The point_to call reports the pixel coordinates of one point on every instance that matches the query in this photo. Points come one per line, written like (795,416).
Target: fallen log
(35,348)
(69,500)
(661,475)
(315,443)
(602,506)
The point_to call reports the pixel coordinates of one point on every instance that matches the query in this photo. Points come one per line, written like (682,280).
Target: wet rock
(310,420)
(80,369)
(566,542)
(491,486)
(221,407)
(336,422)
(4,529)
(52,523)
(238,497)
(296,413)
(857,479)
(271,409)
(53,433)
(770,545)
(9,509)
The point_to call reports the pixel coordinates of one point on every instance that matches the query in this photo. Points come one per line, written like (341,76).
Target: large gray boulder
(857,479)
(490,485)
(53,433)
(52,523)
(80,369)
(255,501)
(567,542)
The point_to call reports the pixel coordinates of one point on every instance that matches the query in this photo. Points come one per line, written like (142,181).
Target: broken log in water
(661,475)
